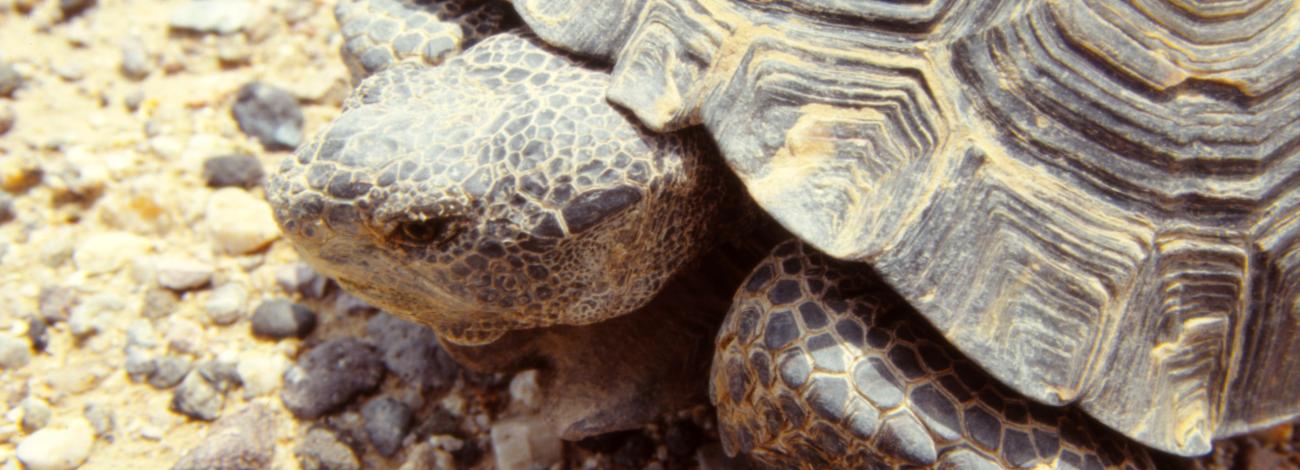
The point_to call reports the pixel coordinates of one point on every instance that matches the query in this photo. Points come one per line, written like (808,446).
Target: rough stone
(158,303)
(239,222)
(197,398)
(321,449)
(524,390)
(269,114)
(109,251)
(331,375)
(170,371)
(139,366)
(184,335)
(301,278)
(243,440)
(411,351)
(207,16)
(387,422)
(233,170)
(181,274)
(63,447)
(10,79)
(281,318)
(14,353)
(226,305)
(136,61)
(522,442)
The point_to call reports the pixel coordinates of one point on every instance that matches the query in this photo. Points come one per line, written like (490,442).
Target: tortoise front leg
(819,364)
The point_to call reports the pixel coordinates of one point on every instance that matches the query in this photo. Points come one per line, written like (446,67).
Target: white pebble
(240,222)
(524,390)
(226,304)
(183,274)
(57,448)
(109,251)
(261,374)
(14,353)
(519,444)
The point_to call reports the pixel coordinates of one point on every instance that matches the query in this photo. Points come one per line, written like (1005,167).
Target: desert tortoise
(1096,203)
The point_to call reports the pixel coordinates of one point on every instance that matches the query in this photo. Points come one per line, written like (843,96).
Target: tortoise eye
(421,233)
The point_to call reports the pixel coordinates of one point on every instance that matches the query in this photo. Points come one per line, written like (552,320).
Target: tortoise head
(499,191)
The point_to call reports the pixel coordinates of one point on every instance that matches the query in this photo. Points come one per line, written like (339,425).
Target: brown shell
(1096,201)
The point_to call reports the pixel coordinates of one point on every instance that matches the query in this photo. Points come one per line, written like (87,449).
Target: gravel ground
(150,317)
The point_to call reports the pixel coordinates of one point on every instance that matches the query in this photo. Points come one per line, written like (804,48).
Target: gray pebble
(232,170)
(10,80)
(7,118)
(36,414)
(226,305)
(197,398)
(14,353)
(38,333)
(282,318)
(411,351)
(136,62)
(269,114)
(303,279)
(141,333)
(56,303)
(140,366)
(222,375)
(331,375)
(322,450)
(158,302)
(100,418)
(387,422)
(133,99)
(244,439)
(170,372)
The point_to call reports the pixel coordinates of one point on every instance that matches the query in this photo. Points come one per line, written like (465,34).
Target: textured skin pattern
(500,191)
(380,33)
(1097,201)
(820,365)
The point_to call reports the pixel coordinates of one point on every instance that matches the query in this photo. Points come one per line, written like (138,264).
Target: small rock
(158,303)
(261,374)
(56,303)
(183,274)
(234,53)
(282,318)
(136,63)
(243,440)
(411,351)
(331,375)
(387,422)
(69,71)
(141,333)
(269,114)
(58,249)
(71,8)
(110,251)
(206,16)
(439,422)
(524,390)
(520,443)
(57,448)
(133,99)
(14,353)
(171,370)
(38,333)
(10,79)
(233,170)
(100,418)
(7,119)
(36,414)
(226,305)
(139,366)
(303,279)
(76,379)
(322,450)
(239,222)
(91,316)
(221,373)
(184,335)
(197,398)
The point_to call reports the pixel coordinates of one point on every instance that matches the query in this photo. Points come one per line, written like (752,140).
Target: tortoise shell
(1095,201)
